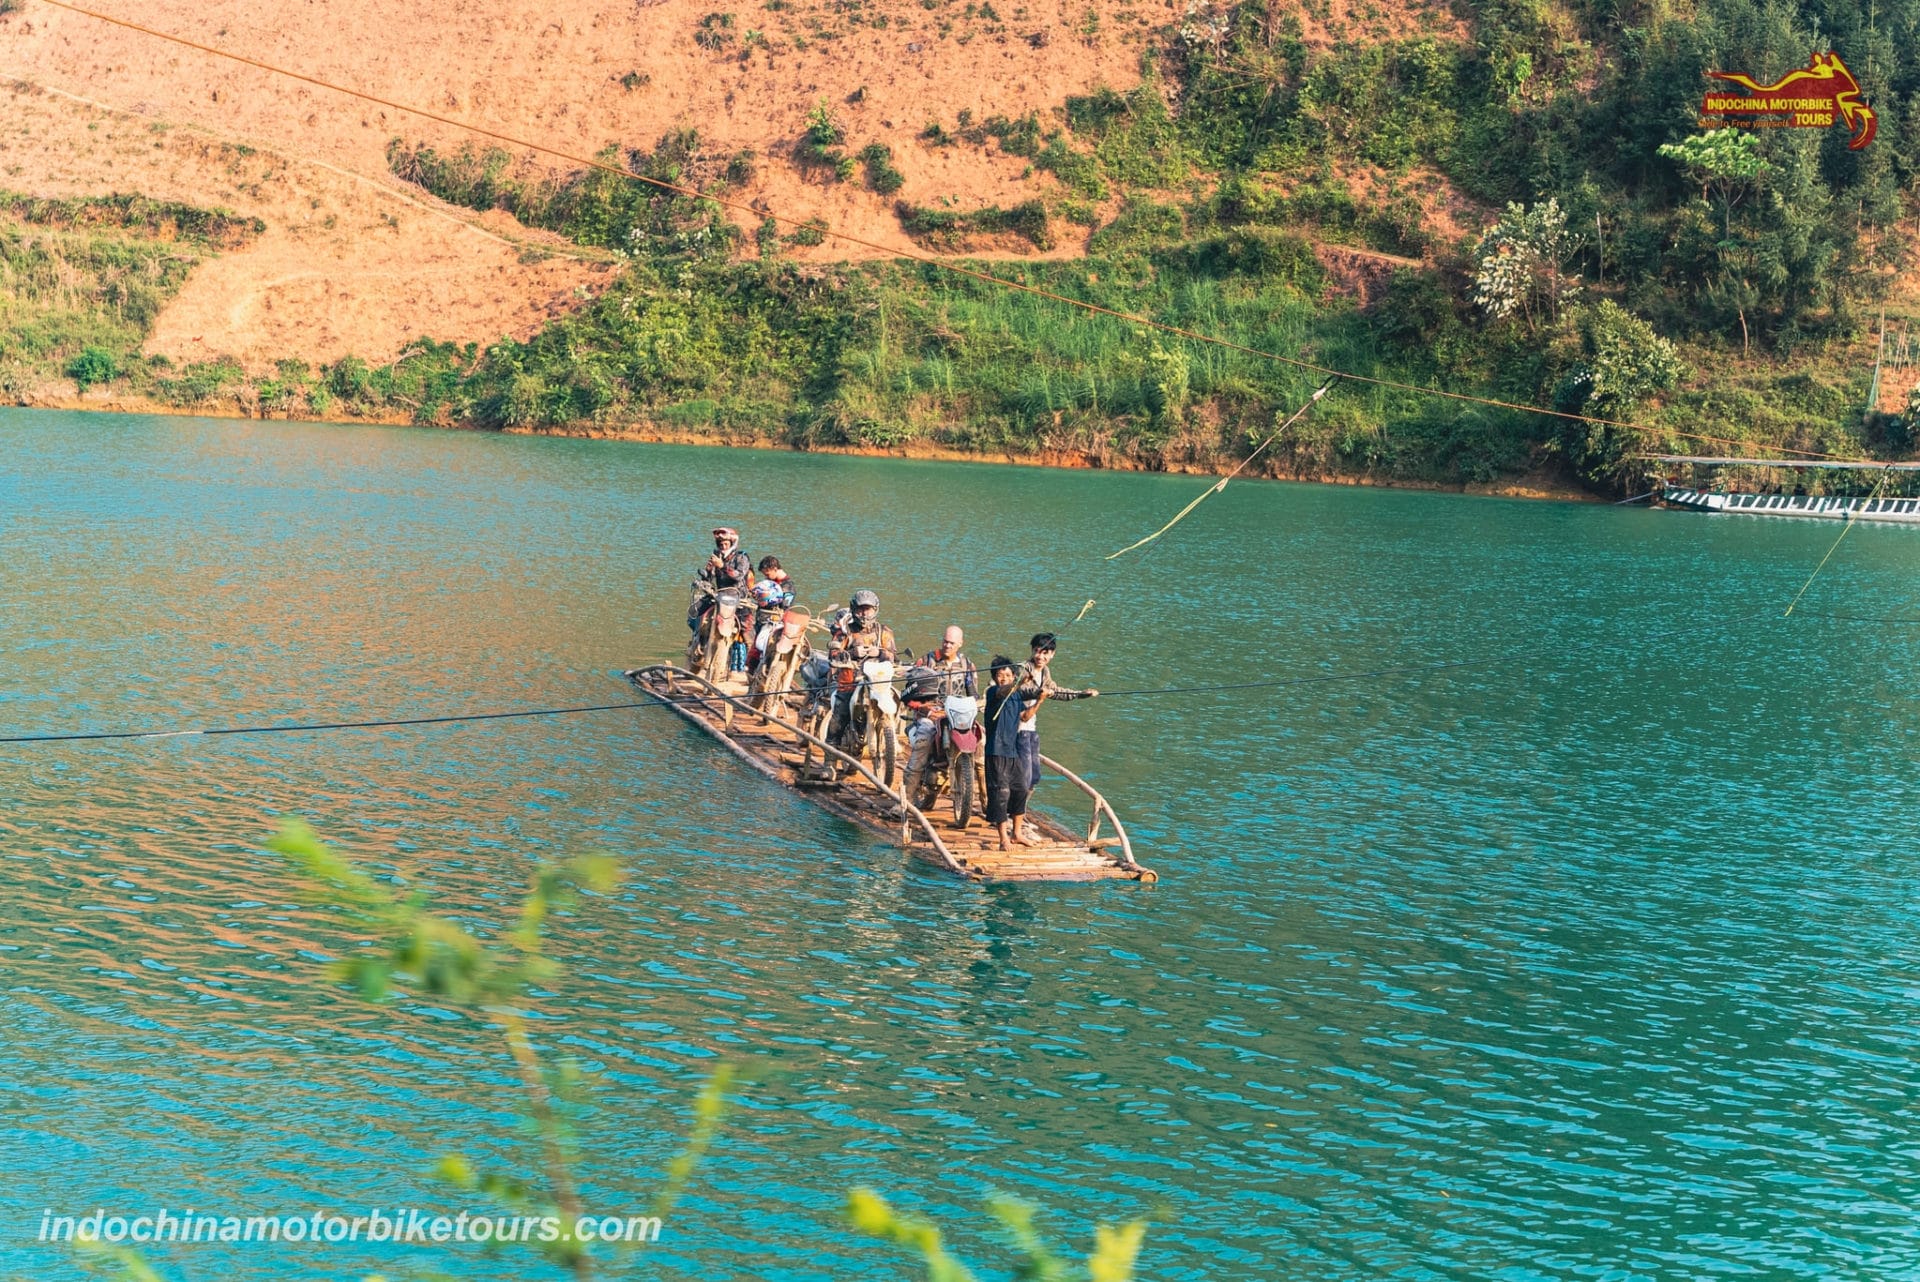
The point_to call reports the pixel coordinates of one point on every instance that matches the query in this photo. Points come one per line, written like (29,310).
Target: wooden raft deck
(773,747)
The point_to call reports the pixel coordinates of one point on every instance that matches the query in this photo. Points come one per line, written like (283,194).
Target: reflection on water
(1595,960)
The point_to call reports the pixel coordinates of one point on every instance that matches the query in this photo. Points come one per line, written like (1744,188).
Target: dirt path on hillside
(345,266)
(580,74)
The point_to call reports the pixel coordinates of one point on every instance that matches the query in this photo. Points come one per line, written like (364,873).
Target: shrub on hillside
(951,229)
(819,143)
(715,31)
(881,175)
(94,365)
(201,382)
(811,232)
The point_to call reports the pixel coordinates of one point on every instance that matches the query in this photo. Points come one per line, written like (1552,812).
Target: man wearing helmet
(773,596)
(726,567)
(861,636)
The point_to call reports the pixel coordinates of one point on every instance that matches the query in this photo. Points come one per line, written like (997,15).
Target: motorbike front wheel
(714,668)
(849,743)
(768,684)
(883,743)
(962,789)
(929,790)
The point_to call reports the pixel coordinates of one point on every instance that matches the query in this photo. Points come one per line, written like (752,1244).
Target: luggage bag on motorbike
(921,685)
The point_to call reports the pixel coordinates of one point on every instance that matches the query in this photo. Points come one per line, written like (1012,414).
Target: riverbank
(1540,483)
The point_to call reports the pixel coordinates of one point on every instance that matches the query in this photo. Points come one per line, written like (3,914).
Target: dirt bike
(953,759)
(723,624)
(785,650)
(874,713)
(816,708)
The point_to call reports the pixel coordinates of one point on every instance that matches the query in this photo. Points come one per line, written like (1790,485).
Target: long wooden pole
(1873,388)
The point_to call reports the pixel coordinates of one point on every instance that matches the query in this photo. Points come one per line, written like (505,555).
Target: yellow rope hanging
(1851,514)
(1221,484)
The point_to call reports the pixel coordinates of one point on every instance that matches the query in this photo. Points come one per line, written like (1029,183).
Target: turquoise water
(1595,959)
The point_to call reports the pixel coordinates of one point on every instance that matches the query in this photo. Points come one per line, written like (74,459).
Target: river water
(1594,958)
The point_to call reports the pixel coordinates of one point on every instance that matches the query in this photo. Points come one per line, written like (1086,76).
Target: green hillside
(1613,261)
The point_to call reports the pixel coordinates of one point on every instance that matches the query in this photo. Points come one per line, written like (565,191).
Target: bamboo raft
(773,747)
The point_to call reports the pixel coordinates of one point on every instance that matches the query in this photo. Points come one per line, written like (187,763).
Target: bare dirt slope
(578,74)
(345,265)
(362,266)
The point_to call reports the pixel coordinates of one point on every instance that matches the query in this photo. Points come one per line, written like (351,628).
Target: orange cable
(912,255)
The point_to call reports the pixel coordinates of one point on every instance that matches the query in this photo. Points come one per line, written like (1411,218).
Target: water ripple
(1593,962)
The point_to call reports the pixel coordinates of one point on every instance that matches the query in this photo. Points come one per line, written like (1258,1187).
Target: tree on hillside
(1905,150)
(1790,255)
(1722,161)
(1623,362)
(1523,258)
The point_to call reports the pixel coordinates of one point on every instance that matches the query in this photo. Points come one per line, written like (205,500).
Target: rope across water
(396,722)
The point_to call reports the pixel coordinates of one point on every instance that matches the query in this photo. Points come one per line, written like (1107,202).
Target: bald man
(957,676)
(957,673)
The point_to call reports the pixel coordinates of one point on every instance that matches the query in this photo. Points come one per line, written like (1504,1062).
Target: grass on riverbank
(886,355)
(82,280)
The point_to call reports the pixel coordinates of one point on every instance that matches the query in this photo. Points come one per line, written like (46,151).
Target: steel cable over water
(1150,542)
(96,736)
(1846,529)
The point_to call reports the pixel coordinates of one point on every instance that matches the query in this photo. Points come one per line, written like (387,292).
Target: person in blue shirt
(1007,780)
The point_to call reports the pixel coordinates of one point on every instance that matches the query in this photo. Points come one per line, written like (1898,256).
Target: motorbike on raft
(873,721)
(953,762)
(816,709)
(784,651)
(719,643)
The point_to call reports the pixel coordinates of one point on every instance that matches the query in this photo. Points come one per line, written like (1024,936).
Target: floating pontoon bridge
(1704,496)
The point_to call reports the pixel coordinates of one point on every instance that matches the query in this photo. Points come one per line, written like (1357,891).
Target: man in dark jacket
(861,637)
(1007,785)
(957,673)
(952,676)
(727,568)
